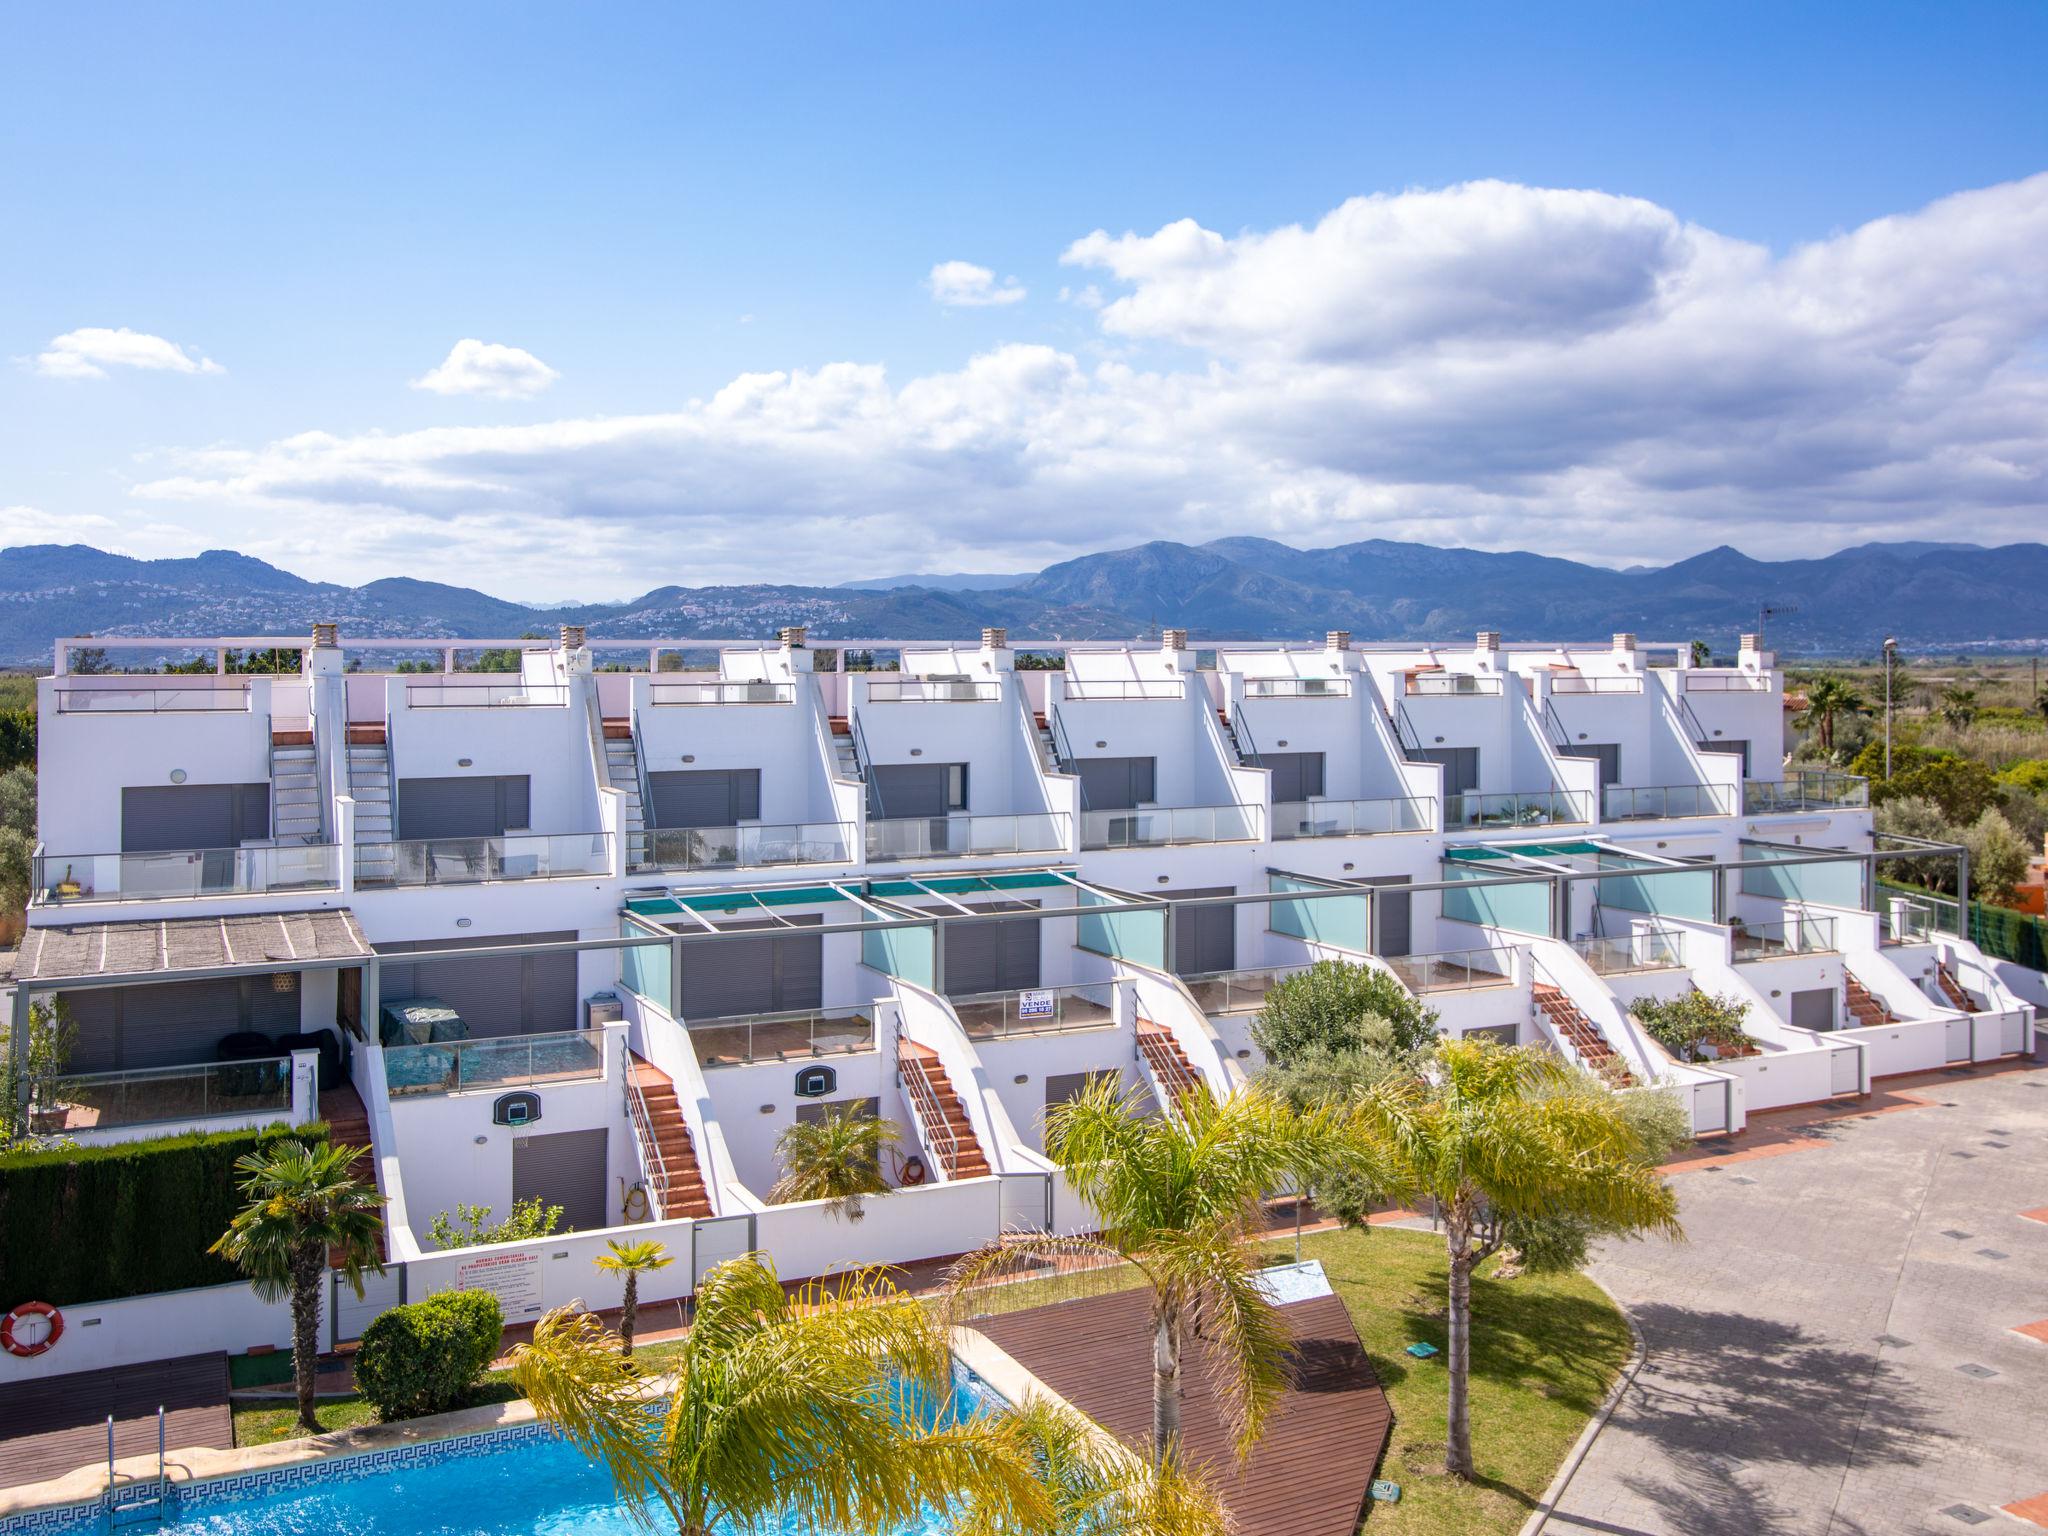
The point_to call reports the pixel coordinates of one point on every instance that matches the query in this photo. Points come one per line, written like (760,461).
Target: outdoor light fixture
(177,775)
(482,1141)
(462,922)
(1021,1078)
(463,762)
(917,751)
(284,981)
(689,757)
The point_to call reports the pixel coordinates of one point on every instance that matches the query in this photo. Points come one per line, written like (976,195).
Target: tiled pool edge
(58,1503)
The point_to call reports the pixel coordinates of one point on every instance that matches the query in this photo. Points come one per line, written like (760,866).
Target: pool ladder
(140,1508)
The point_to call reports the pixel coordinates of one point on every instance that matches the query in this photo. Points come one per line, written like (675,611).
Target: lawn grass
(261,1420)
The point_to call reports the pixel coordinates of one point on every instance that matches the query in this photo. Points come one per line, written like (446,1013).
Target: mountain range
(1930,596)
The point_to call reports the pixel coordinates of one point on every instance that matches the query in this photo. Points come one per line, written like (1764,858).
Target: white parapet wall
(97,1335)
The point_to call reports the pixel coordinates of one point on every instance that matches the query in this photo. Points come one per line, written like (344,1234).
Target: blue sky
(653,202)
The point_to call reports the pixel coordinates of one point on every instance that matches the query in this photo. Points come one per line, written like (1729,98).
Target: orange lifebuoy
(43,1309)
(913,1170)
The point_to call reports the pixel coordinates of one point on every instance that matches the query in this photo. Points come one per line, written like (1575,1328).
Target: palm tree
(1177,1197)
(307,1211)
(631,1260)
(836,1157)
(1487,1136)
(784,1406)
(1098,1486)
(1958,707)
(1828,696)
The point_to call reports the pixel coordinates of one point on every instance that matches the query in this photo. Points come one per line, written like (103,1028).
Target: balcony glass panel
(1806,792)
(103,1101)
(1543,808)
(933,690)
(504,1061)
(1788,936)
(509,694)
(751,846)
(1449,685)
(1351,818)
(148,699)
(1036,1010)
(1166,826)
(932,837)
(1112,689)
(1652,950)
(1727,682)
(782,1036)
(1566,683)
(1666,802)
(1453,970)
(1297,687)
(1239,991)
(722,693)
(473,860)
(62,877)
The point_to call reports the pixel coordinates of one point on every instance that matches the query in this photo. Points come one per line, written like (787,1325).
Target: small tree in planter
(1687,1024)
(836,1157)
(631,1260)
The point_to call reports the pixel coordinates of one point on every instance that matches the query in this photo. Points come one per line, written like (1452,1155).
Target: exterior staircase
(295,801)
(941,1118)
(1168,1064)
(369,781)
(1048,748)
(1864,1007)
(675,1184)
(1237,751)
(1953,989)
(842,747)
(622,773)
(1594,1053)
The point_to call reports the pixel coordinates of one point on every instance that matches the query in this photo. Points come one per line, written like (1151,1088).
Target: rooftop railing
(474,860)
(1789,936)
(1727,682)
(1095,690)
(1352,818)
(797,1036)
(1816,791)
(1666,802)
(151,699)
(934,690)
(722,693)
(1544,808)
(1654,949)
(104,1101)
(1453,970)
(1169,826)
(1570,683)
(935,837)
(510,693)
(1297,687)
(1907,921)
(1036,1010)
(1451,685)
(1242,990)
(64,877)
(745,847)
(499,1061)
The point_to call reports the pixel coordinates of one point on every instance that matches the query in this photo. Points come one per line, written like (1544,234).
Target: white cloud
(485,368)
(1493,365)
(33,525)
(962,285)
(90,352)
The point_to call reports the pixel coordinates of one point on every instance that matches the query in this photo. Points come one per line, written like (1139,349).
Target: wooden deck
(59,1423)
(1309,1474)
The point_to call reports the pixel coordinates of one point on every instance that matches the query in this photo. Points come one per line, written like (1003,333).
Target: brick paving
(1837,1350)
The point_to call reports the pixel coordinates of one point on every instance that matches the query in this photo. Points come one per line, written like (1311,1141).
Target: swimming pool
(522,1481)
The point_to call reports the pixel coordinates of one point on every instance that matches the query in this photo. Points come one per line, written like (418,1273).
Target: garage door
(992,957)
(1204,938)
(778,972)
(565,1169)
(502,995)
(709,797)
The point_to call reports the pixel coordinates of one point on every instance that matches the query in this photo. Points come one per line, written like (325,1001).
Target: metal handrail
(1726,682)
(1570,684)
(723,691)
(1562,741)
(934,690)
(924,1105)
(1405,735)
(514,694)
(1169,1079)
(650,1144)
(237,696)
(1451,685)
(1095,690)
(1297,687)
(1063,748)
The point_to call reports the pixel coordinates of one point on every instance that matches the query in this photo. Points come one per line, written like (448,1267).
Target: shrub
(92,1224)
(1960,789)
(1685,1025)
(429,1356)
(472,1224)
(1337,1006)
(2030,774)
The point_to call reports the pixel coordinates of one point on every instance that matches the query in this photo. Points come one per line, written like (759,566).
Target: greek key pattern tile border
(74,1519)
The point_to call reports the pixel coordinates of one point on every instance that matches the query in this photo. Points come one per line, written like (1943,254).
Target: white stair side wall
(928,1020)
(1166,1002)
(666,1046)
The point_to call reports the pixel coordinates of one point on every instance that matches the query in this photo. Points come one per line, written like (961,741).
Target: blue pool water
(521,1482)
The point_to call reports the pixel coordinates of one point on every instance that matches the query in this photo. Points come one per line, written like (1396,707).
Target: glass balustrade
(511,693)
(1666,802)
(1351,818)
(499,1061)
(62,877)
(1805,792)
(1123,689)
(721,692)
(747,847)
(473,860)
(1166,826)
(102,1101)
(1565,683)
(1297,687)
(1788,936)
(151,699)
(934,690)
(1654,949)
(1237,991)
(1544,808)
(932,837)
(1451,685)
(1036,1010)
(796,1036)
(1452,969)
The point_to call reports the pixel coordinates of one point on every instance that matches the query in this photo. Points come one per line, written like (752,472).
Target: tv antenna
(1765,612)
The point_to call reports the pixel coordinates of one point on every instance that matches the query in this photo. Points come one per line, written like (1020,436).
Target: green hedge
(2000,932)
(86,1224)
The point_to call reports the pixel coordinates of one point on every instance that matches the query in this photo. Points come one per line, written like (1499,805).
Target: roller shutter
(179,1023)
(163,817)
(566,1168)
(499,995)
(1391,916)
(474,805)
(1116,783)
(776,971)
(1296,775)
(1606,753)
(710,797)
(992,957)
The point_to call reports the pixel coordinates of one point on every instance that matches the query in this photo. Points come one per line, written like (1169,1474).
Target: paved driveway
(1834,1351)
